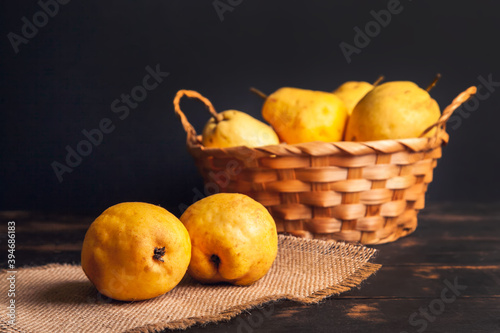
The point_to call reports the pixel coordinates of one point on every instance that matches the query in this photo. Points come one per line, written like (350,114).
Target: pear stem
(380,79)
(218,118)
(433,83)
(258,93)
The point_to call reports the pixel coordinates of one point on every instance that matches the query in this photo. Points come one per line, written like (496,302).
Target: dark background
(65,78)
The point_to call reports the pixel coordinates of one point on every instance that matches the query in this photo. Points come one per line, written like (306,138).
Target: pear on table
(233,237)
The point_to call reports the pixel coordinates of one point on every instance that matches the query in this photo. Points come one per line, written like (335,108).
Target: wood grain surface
(445,277)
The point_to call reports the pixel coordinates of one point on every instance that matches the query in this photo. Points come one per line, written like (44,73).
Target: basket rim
(320,148)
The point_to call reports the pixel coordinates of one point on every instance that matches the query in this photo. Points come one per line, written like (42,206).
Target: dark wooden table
(445,277)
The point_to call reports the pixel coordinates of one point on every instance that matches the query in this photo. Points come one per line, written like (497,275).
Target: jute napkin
(59,298)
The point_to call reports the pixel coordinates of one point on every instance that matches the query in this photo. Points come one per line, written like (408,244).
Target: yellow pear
(393,110)
(234,128)
(234,239)
(300,115)
(352,92)
(135,251)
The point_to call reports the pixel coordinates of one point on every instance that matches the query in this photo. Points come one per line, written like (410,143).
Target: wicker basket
(367,192)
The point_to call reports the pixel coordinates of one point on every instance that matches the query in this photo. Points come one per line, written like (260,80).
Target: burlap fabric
(59,298)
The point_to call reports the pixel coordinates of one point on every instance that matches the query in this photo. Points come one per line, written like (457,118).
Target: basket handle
(448,111)
(190,131)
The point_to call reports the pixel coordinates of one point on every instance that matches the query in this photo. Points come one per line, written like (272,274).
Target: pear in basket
(393,110)
(230,128)
(351,92)
(233,128)
(300,115)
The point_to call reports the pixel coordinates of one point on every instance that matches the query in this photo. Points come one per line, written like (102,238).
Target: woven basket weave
(367,192)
